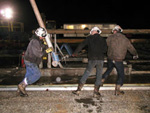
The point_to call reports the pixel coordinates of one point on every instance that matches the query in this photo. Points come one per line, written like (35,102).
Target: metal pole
(104,31)
(71,87)
(37,13)
(49,62)
(40,21)
(55,43)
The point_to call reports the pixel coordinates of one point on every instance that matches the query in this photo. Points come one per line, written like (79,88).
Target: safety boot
(96,91)
(21,90)
(77,92)
(117,90)
(19,93)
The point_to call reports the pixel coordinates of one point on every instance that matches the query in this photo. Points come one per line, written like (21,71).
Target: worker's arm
(80,46)
(132,50)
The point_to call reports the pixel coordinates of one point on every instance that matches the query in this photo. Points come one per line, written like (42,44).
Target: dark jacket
(35,50)
(118,45)
(96,47)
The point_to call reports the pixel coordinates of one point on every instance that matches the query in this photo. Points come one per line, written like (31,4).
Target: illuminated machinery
(86,27)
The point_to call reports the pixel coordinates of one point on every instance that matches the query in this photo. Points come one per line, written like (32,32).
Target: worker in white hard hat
(118,45)
(95,29)
(97,47)
(117,28)
(33,56)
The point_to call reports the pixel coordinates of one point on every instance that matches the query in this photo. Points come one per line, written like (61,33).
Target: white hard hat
(117,28)
(96,29)
(41,32)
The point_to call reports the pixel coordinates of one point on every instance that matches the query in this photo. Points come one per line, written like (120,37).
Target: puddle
(88,103)
(46,80)
(85,101)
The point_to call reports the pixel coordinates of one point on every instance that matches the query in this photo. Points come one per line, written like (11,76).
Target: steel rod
(104,31)
(71,87)
(37,13)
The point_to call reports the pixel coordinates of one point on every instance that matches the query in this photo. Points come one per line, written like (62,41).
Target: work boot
(117,90)
(77,92)
(19,93)
(102,81)
(21,90)
(96,91)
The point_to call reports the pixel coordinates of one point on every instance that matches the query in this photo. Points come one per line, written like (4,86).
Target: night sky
(127,13)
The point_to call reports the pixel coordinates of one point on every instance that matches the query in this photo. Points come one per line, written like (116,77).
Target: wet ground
(13,76)
(65,102)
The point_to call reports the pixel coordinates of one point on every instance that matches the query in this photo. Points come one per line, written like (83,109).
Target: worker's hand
(74,55)
(135,57)
(49,50)
(45,43)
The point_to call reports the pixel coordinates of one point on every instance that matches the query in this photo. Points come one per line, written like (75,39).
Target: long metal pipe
(71,87)
(37,13)
(40,21)
(104,31)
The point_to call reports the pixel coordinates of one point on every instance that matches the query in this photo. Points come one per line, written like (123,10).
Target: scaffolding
(11,25)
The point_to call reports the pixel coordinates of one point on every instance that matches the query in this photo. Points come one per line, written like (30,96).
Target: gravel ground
(66,102)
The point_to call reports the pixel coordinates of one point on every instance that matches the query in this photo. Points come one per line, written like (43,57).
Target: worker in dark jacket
(118,45)
(97,47)
(33,56)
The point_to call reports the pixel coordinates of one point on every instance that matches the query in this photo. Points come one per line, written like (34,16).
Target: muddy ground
(66,102)
(13,76)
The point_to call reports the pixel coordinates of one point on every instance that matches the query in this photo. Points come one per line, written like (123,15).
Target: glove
(45,43)
(49,50)
(135,57)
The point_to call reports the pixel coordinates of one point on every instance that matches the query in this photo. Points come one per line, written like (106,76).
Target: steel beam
(104,31)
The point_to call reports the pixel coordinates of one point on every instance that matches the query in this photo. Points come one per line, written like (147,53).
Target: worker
(33,56)
(97,47)
(118,44)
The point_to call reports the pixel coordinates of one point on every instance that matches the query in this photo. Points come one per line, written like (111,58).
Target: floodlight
(7,13)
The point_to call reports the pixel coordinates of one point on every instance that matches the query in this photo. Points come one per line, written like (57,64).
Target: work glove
(45,43)
(135,57)
(49,50)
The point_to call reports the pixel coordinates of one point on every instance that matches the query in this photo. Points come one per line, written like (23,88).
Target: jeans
(120,70)
(32,72)
(99,68)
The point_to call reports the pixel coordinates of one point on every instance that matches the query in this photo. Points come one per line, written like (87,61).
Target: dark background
(128,14)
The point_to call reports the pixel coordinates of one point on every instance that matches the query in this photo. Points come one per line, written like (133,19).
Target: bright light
(83,26)
(7,13)
(70,27)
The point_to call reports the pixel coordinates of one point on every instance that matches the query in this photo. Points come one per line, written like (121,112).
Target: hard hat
(41,32)
(96,29)
(117,28)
